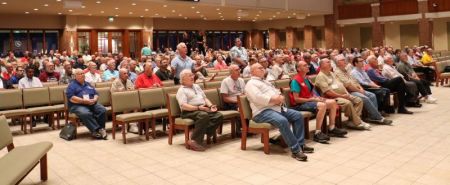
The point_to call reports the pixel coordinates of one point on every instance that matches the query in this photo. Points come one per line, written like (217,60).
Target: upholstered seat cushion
(158,113)
(133,116)
(40,110)
(20,160)
(180,121)
(59,107)
(108,108)
(229,114)
(253,124)
(14,112)
(445,75)
(306,114)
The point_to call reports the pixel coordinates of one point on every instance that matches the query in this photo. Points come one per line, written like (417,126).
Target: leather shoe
(404,111)
(192,145)
(300,156)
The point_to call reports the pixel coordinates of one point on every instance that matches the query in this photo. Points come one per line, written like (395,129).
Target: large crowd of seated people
(358,82)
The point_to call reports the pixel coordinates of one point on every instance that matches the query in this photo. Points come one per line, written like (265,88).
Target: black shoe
(300,156)
(307,149)
(337,132)
(97,135)
(321,137)
(404,111)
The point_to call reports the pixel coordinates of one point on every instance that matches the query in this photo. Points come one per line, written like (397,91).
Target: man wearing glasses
(230,88)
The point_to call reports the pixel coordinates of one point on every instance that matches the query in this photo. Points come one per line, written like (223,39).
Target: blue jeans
(369,104)
(281,120)
(92,116)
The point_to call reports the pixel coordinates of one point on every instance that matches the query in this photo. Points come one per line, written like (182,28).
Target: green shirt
(295,87)
(146,51)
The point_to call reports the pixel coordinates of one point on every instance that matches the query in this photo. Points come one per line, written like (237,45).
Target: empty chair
(213,84)
(37,103)
(168,83)
(168,90)
(11,106)
(127,101)
(19,161)
(57,100)
(104,97)
(103,84)
(152,101)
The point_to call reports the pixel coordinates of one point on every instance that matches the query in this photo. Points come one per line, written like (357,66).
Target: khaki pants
(351,109)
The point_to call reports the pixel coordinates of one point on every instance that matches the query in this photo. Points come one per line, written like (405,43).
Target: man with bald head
(267,106)
(148,79)
(230,88)
(303,99)
(331,87)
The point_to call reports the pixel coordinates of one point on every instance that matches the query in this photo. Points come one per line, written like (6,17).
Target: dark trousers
(397,85)
(92,116)
(423,86)
(233,106)
(428,72)
(382,97)
(176,81)
(204,123)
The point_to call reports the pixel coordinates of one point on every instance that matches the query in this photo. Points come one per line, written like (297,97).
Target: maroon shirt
(49,77)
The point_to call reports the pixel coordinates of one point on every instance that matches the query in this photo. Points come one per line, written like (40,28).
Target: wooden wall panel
(398,7)
(352,11)
(442,5)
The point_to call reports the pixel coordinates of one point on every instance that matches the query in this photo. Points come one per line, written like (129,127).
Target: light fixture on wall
(110,19)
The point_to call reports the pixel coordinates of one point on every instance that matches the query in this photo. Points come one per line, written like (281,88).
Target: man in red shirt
(9,72)
(147,79)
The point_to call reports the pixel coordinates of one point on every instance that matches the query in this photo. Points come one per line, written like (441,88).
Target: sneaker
(321,137)
(430,100)
(133,129)
(97,135)
(363,126)
(300,156)
(307,149)
(337,132)
(103,134)
(351,125)
(385,121)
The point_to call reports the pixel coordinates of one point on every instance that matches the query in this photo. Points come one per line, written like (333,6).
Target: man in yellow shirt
(427,57)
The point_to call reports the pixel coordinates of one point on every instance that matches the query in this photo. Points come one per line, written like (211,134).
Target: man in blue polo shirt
(181,62)
(83,102)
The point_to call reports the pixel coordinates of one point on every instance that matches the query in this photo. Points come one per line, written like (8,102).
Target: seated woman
(194,105)
(302,99)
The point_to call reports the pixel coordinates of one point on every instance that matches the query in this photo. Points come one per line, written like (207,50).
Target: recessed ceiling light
(133,4)
(289,17)
(257,15)
(116,8)
(35,9)
(180,15)
(58,0)
(294,13)
(59,13)
(239,17)
(117,15)
(90,14)
(83,6)
(102,11)
(185,18)
(165,6)
(192,7)
(3,3)
(173,11)
(146,10)
(130,12)
(220,13)
(239,10)
(27,12)
(164,17)
(141,16)
(156,14)
(98,2)
(70,10)
(205,18)
(222,19)
(197,12)
(218,9)
(253,20)
(270,18)
(308,15)
(278,13)
(221,16)
(44,4)
(274,16)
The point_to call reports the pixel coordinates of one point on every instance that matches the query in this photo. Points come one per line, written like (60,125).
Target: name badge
(85,96)
(334,86)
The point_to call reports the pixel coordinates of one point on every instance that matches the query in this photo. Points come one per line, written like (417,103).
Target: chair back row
(31,97)
(141,99)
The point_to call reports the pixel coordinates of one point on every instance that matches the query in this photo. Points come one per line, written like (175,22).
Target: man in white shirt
(29,81)
(92,76)
(230,88)
(267,106)
(277,72)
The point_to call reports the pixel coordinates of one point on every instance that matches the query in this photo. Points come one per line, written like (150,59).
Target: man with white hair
(267,106)
(111,73)
(92,75)
(196,106)
(277,71)
(181,62)
(83,101)
(239,54)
